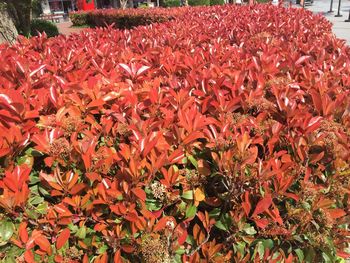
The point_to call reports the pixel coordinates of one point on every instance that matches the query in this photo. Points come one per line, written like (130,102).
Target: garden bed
(220,136)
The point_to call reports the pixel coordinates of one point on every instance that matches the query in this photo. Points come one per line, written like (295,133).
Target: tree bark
(123,4)
(20,11)
(8,31)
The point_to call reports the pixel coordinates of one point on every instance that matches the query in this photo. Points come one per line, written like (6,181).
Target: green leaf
(221,226)
(240,247)
(180,251)
(102,249)
(250,230)
(215,212)
(34,179)
(261,250)
(188,195)
(190,240)
(300,254)
(81,233)
(268,243)
(36,200)
(224,223)
(28,160)
(306,206)
(6,231)
(33,152)
(177,258)
(310,254)
(193,161)
(42,208)
(191,211)
(32,214)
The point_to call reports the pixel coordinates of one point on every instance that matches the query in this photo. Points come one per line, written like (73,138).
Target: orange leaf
(246,204)
(117,257)
(29,257)
(336,213)
(203,167)
(198,196)
(85,258)
(58,259)
(23,233)
(262,223)
(139,193)
(63,237)
(127,248)
(162,223)
(43,243)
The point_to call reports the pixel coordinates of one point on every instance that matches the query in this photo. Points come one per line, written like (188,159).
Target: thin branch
(199,247)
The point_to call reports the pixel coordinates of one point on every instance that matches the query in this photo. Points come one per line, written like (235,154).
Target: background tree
(8,31)
(20,12)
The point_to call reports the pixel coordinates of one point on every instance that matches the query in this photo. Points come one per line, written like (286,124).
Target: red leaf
(96,103)
(29,257)
(246,204)
(43,243)
(336,213)
(127,248)
(139,193)
(162,223)
(117,257)
(262,223)
(301,60)
(181,233)
(23,233)
(343,254)
(62,238)
(192,136)
(263,205)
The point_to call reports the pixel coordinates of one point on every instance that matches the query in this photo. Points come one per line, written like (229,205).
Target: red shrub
(218,137)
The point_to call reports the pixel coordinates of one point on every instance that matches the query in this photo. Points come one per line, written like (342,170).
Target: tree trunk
(20,11)
(123,4)
(8,31)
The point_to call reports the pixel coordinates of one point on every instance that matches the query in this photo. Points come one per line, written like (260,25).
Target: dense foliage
(171,3)
(39,26)
(219,136)
(122,19)
(198,2)
(217,2)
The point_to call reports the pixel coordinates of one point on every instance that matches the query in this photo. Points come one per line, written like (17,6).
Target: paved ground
(340,28)
(66,28)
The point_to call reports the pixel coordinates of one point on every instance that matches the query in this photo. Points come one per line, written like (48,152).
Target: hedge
(219,136)
(41,26)
(217,2)
(172,3)
(122,19)
(198,2)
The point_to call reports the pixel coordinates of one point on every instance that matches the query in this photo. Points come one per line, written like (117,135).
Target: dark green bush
(36,8)
(79,18)
(122,19)
(172,3)
(217,2)
(198,2)
(48,27)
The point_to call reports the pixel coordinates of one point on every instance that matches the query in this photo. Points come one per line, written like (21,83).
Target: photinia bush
(219,136)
